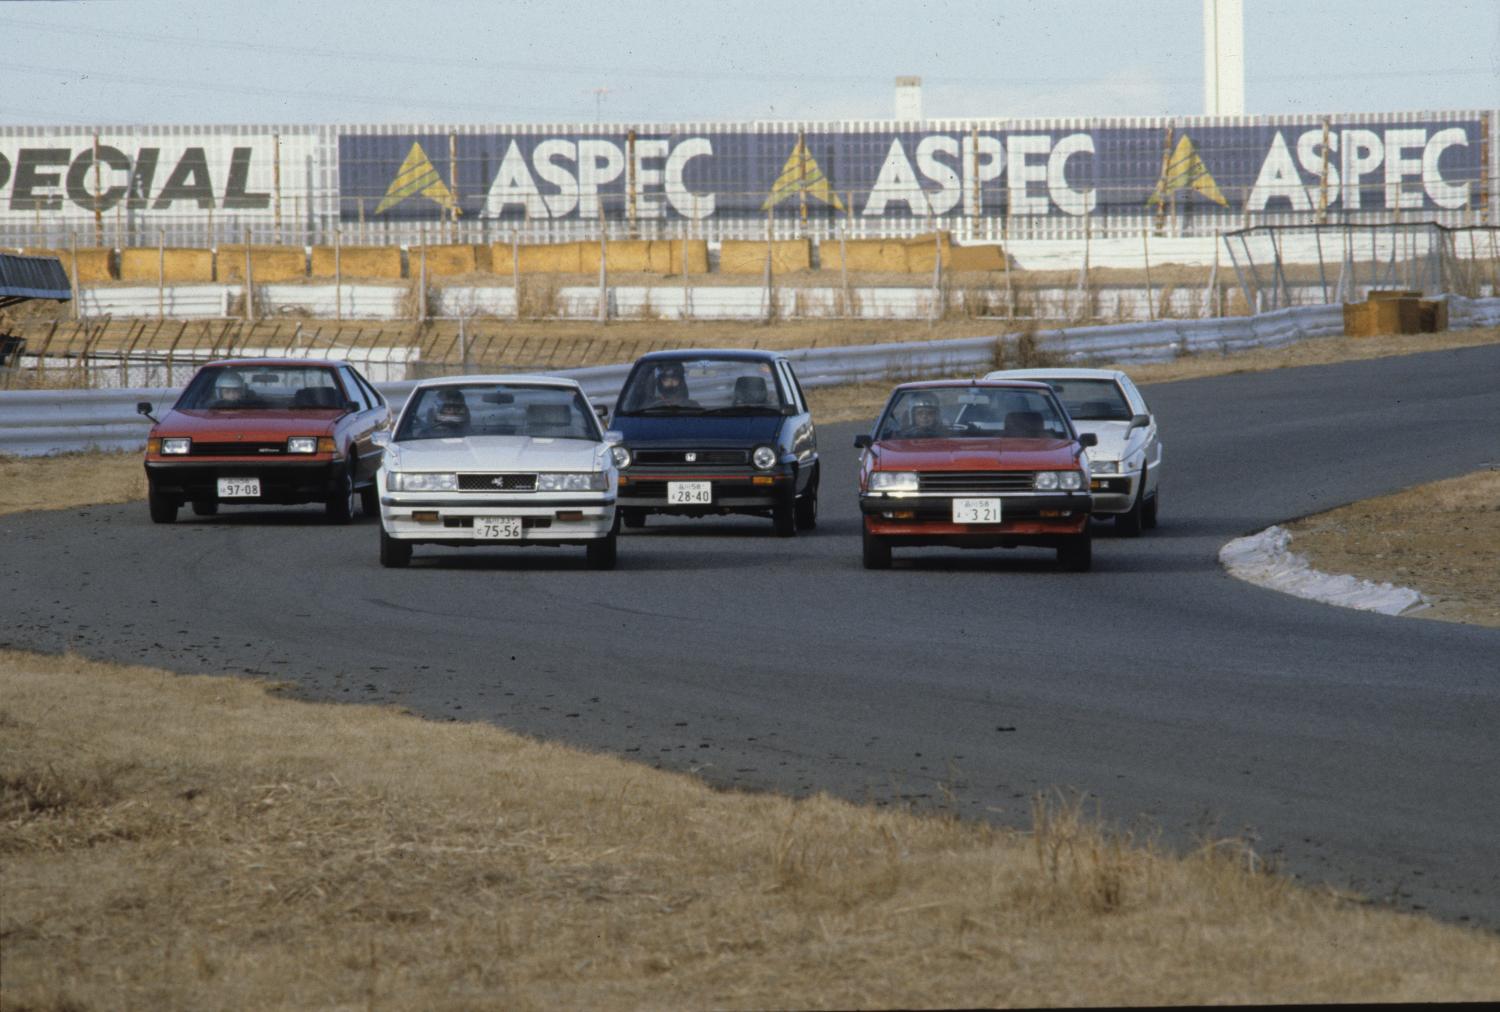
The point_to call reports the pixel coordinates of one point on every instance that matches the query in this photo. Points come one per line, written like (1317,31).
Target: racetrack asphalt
(1351,749)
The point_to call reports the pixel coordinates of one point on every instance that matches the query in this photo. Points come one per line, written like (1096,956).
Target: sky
(650,61)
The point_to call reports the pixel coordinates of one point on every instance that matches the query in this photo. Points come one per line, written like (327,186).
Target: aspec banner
(1367,164)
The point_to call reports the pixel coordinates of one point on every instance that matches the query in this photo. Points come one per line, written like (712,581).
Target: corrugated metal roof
(23,277)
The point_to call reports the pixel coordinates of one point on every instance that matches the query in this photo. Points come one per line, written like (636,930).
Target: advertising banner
(150,173)
(1070,169)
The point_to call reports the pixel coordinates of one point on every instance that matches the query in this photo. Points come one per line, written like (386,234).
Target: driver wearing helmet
(450,415)
(671,386)
(926,419)
(230,391)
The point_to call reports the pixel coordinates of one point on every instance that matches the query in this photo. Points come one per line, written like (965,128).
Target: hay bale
(550,258)
(696,251)
(94,263)
(267,263)
(382,263)
(450,260)
(748,256)
(144,264)
(621,256)
(975,258)
(881,256)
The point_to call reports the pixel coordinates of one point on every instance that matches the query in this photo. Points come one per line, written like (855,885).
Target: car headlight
(764,458)
(302,444)
(621,455)
(176,446)
(1067,481)
(893,481)
(591,481)
(1102,466)
(423,481)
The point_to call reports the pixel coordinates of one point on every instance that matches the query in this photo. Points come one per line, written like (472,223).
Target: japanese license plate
(239,488)
(976,511)
(690,493)
(498,528)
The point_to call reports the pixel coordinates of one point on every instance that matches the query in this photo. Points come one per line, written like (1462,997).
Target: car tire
(807,506)
(1128,524)
(1148,512)
(394,554)
(205,507)
(877,551)
(1076,555)
(784,519)
(369,499)
(633,517)
(339,509)
(163,509)
(603,553)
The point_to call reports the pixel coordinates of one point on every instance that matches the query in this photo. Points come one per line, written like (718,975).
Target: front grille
(975,481)
(701,457)
(239,448)
(497,483)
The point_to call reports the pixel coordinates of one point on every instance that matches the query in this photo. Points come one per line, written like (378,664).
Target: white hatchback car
(498,460)
(1126,462)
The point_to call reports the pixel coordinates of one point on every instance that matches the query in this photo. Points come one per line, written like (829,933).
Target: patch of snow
(1266,560)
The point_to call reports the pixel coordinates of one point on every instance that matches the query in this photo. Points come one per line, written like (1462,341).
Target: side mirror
(351,407)
(1139,421)
(1087,439)
(614,437)
(603,413)
(380,437)
(863,441)
(144,408)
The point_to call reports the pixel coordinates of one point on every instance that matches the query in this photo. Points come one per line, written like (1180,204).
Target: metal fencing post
(249,282)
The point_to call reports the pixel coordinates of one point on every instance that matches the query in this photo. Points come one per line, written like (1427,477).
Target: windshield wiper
(668,409)
(743,409)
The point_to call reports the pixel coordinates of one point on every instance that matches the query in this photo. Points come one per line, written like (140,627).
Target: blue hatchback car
(716,432)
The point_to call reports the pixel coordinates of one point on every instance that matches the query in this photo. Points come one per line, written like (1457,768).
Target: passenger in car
(1025,425)
(751,391)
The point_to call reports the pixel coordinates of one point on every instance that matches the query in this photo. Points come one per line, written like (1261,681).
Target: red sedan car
(975,464)
(259,431)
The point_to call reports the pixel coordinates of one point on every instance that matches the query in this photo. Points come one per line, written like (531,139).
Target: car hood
(1113,441)
(973,454)
(697,430)
(495,453)
(253,424)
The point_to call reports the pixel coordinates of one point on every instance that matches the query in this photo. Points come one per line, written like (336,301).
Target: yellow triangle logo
(417,176)
(1185,171)
(801,174)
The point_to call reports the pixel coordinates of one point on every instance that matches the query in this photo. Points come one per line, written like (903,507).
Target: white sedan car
(498,460)
(1126,462)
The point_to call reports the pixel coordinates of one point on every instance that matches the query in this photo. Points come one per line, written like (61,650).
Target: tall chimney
(908,98)
(1224,57)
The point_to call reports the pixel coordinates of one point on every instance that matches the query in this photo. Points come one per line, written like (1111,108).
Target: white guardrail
(34,422)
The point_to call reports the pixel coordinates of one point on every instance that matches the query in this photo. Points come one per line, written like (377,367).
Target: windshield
(263,388)
(972,413)
(719,386)
(498,409)
(1092,400)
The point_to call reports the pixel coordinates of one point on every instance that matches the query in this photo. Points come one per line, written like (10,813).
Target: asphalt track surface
(1352,749)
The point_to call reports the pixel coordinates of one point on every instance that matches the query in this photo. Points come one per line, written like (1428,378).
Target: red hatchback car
(267,431)
(975,464)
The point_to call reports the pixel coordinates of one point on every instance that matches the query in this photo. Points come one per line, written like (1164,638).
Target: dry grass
(1442,539)
(192,842)
(70,479)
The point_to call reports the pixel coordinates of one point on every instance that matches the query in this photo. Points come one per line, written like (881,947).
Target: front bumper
(1115,493)
(732,490)
(446,518)
(1026,518)
(283,482)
